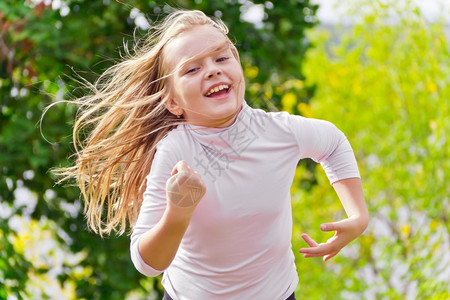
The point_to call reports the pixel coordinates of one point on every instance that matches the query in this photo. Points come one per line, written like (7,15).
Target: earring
(178,116)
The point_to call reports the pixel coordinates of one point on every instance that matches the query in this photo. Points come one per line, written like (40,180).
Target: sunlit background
(378,69)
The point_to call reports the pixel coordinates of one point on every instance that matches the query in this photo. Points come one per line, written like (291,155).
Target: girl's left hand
(346,231)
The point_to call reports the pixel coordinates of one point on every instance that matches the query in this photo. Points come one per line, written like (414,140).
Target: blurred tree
(42,45)
(385,82)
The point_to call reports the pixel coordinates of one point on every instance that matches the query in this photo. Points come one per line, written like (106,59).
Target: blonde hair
(120,123)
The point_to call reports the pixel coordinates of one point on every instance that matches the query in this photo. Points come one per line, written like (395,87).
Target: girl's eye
(221,59)
(191,70)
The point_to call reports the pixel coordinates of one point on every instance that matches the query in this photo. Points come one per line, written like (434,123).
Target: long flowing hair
(119,124)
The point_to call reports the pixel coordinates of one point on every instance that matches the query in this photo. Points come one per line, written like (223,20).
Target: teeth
(217,88)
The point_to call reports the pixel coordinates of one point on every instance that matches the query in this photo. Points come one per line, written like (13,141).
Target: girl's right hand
(184,188)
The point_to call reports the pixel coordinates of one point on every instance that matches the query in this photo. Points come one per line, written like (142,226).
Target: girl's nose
(214,73)
(213,70)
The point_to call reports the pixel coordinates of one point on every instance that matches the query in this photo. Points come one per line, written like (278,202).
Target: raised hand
(346,231)
(350,194)
(185,187)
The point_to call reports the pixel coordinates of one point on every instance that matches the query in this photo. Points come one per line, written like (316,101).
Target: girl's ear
(172,105)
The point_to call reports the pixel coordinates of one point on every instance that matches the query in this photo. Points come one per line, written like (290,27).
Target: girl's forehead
(194,43)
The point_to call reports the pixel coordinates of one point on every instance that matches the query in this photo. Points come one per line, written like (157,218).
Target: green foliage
(41,49)
(386,85)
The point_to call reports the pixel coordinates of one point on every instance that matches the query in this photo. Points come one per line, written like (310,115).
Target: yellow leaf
(80,272)
(288,101)
(268,91)
(268,94)
(431,86)
(304,109)
(357,90)
(434,225)
(298,84)
(405,229)
(333,80)
(69,289)
(254,88)
(251,72)
(433,125)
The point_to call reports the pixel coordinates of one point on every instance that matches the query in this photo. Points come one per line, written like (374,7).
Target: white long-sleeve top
(238,243)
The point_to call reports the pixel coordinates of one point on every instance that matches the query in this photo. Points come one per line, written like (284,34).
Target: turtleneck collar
(227,140)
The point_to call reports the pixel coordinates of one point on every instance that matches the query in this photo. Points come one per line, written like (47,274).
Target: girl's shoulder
(275,120)
(172,138)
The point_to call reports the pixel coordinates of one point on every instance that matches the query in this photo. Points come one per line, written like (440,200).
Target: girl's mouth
(218,90)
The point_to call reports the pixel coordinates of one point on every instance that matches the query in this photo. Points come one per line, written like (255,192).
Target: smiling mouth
(218,90)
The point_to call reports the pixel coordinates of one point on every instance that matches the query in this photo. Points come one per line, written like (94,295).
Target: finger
(328,256)
(309,240)
(181,166)
(307,255)
(320,250)
(312,253)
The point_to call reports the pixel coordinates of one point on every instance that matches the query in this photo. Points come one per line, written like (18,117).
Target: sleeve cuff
(139,262)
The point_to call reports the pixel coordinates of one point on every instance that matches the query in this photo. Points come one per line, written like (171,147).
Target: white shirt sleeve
(153,206)
(324,143)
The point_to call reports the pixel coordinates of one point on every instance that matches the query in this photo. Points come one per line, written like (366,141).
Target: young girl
(204,179)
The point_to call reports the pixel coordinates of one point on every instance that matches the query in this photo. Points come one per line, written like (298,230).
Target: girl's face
(207,86)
